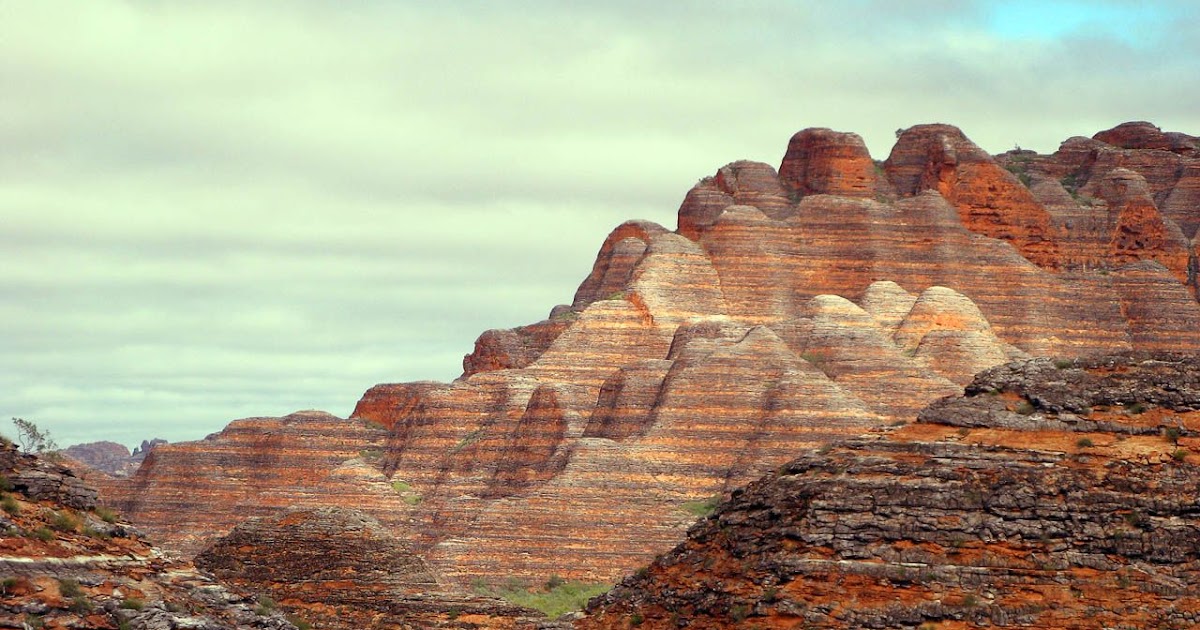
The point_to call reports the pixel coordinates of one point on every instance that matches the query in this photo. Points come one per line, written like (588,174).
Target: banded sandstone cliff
(787,310)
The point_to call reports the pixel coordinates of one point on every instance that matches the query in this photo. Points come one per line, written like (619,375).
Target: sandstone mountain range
(789,308)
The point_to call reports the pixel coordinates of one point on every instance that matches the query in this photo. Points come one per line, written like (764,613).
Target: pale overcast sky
(219,209)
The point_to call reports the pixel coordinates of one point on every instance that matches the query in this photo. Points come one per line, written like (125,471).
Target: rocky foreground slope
(1054,494)
(789,308)
(64,563)
(343,568)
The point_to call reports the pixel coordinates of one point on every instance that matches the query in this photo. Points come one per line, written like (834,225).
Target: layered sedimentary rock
(189,492)
(66,564)
(1054,494)
(345,569)
(787,310)
(1126,193)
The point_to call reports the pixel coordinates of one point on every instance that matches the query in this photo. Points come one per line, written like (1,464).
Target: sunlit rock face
(790,308)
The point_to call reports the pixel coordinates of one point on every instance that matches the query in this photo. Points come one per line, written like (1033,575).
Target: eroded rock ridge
(788,309)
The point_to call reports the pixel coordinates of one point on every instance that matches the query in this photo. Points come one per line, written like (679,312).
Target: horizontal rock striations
(346,569)
(790,308)
(187,493)
(1054,494)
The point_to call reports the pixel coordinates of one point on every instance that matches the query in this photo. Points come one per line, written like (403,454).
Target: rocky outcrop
(826,162)
(788,309)
(1054,494)
(344,568)
(110,458)
(64,563)
(990,200)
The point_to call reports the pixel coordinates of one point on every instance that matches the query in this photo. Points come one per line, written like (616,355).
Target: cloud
(217,209)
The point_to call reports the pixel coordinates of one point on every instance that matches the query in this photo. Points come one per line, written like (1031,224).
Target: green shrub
(1024,408)
(818,359)
(92,532)
(133,603)
(1137,519)
(1179,455)
(80,605)
(63,521)
(43,534)
(10,505)
(636,619)
(69,588)
(1063,364)
(468,439)
(564,597)
(1137,408)
(266,606)
(301,624)
(372,424)
(703,508)
(401,486)
(5,484)
(1172,434)
(1084,443)
(412,499)
(106,515)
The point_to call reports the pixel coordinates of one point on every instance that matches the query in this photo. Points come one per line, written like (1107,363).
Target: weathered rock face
(989,200)
(1127,184)
(344,568)
(1055,494)
(187,493)
(66,564)
(826,162)
(789,309)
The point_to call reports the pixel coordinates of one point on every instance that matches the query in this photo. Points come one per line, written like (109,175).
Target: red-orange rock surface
(990,200)
(826,162)
(187,493)
(343,569)
(1056,494)
(787,310)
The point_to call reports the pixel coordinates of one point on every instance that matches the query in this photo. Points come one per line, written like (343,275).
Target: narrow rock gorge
(787,310)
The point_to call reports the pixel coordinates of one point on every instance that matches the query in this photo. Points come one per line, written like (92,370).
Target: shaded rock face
(1054,494)
(788,309)
(990,200)
(1130,183)
(344,568)
(66,564)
